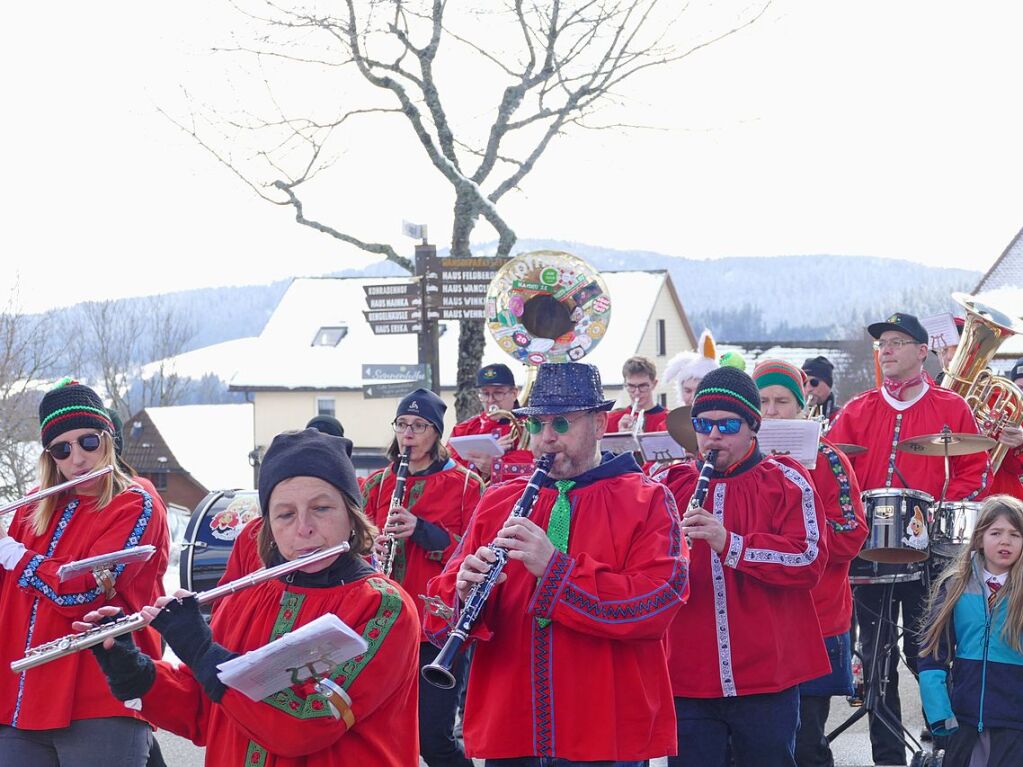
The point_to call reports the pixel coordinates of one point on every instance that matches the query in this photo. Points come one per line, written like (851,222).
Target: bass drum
(210,535)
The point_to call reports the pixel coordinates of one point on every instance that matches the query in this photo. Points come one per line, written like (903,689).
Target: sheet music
(942,330)
(794,437)
(105,561)
(660,446)
(323,644)
(471,444)
(619,442)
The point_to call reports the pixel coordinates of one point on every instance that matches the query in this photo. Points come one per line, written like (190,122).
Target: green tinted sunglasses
(559,423)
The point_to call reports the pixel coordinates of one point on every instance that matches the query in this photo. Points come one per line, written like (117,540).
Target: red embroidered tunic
(871,420)
(446,498)
(481,424)
(750,625)
(846,527)
(294,728)
(37,608)
(593,684)
(1008,479)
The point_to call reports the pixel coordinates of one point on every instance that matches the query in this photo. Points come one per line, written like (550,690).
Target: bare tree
(569,58)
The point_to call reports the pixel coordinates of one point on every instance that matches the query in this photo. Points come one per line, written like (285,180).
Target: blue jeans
(760,728)
(116,740)
(553,761)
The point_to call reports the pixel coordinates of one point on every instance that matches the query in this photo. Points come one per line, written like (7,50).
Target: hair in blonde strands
(953,581)
(114,483)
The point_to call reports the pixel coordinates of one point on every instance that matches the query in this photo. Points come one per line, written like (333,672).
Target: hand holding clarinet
(697,522)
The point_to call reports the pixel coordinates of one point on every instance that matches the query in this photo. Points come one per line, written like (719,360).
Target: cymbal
(680,427)
(850,449)
(958,444)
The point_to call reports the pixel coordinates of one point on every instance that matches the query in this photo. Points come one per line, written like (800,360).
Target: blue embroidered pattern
(543,692)
(891,456)
(551,585)
(844,492)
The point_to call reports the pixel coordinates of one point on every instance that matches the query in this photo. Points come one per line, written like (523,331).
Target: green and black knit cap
(71,405)
(730,390)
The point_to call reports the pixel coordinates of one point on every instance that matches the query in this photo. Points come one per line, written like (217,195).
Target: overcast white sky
(875,128)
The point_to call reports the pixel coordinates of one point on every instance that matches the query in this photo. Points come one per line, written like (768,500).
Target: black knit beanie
(328,424)
(820,367)
(425,404)
(308,453)
(731,390)
(71,405)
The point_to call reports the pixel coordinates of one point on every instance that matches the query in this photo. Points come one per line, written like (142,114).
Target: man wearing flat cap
(749,634)
(907,404)
(569,665)
(499,395)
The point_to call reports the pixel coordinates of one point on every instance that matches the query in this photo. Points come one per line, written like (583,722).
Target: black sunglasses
(815,382)
(62,450)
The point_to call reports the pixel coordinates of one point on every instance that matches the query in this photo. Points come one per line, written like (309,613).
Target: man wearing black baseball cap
(907,404)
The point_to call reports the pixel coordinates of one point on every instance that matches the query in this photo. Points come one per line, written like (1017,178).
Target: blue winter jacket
(987,674)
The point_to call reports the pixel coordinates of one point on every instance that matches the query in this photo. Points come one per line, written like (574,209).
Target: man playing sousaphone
(907,404)
(569,664)
(499,395)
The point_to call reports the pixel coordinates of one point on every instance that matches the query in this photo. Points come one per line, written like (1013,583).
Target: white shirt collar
(904,405)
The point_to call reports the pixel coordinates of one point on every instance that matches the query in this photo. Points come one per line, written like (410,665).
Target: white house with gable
(308,359)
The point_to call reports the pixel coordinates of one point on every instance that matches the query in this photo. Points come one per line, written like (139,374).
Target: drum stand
(876,681)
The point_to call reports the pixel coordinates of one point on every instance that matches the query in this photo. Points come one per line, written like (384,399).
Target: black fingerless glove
(129,671)
(188,635)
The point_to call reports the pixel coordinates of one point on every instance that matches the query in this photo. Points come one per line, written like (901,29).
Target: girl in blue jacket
(975,626)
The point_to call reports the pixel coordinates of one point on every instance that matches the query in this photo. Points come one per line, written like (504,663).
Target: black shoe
(925,736)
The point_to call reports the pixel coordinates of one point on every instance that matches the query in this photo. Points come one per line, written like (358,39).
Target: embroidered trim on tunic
(844,492)
(721,605)
(543,691)
(809,554)
(891,456)
(734,550)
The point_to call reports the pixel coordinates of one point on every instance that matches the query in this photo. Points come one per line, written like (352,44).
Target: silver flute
(73,643)
(55,489)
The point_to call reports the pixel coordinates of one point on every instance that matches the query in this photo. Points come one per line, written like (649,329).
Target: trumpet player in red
(643,413)
(63,713)
(420,530)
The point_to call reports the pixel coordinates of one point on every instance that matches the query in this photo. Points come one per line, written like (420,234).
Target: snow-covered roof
(286,359)
(222,360)
(1007,271)
(211,442)
(1009,299)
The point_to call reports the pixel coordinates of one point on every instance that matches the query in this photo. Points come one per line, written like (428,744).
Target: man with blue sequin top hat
(595,574)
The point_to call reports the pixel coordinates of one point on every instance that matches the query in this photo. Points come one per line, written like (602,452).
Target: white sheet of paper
(105,561)
(619,442)
(942,330)
(473,444)
(659,446)
(326,642)
(794,437)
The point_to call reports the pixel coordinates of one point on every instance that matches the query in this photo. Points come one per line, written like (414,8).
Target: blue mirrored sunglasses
(725,425)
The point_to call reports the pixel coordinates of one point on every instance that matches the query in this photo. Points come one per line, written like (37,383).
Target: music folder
(660,446)
(793,437)
(105,561)
(477,444)
(620,442)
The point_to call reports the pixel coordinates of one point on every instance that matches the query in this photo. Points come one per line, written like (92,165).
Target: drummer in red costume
(310,498)
(782,395)
(569,664)
(749,634)
(1008,479)
(62,713)
(640,376)
(908,404)
(497,391)
(440,496)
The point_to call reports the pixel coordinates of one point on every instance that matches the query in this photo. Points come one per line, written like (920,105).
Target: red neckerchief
(897,388)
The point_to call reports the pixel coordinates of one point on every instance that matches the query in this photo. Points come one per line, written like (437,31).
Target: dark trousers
(553,761)
(812,749)
(115,740)
(761,729)
(905,608)
(437,744)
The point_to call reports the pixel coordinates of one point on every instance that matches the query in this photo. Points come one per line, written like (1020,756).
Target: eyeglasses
(725,425)
(559,423)
(492,394)
(417,427)
(638,387)
(62,450)
(894,343)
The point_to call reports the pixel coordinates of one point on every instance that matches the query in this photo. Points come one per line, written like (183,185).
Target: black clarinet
(702,485)
(439,673)
(391,544)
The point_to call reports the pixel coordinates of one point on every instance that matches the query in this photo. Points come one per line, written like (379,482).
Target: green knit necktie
(557,526)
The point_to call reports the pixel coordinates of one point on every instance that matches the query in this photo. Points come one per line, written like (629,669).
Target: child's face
(1002,546)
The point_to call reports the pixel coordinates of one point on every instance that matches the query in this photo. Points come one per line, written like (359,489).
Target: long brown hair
(114,483)
(953,581)
(361,539)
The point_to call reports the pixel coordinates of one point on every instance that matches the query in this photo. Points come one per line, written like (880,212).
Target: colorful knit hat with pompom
(71,405)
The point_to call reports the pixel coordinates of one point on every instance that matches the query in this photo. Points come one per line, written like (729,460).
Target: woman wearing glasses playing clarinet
(420,527)
(63,713)
(749,635)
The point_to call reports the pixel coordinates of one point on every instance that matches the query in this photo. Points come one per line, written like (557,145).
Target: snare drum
(898,521)
(953,526)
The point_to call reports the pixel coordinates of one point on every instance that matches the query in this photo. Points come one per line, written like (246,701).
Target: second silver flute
(73,643)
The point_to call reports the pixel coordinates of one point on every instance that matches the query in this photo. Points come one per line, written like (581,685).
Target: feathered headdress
(697,364)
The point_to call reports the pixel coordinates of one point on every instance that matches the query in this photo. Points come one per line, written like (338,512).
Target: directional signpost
(392,380)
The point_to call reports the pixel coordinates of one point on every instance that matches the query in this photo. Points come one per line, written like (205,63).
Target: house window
(159,480)
(326,406)
(330,335)
(662,340)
